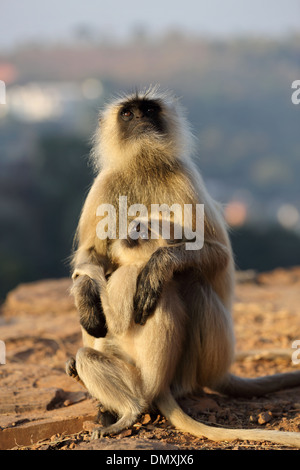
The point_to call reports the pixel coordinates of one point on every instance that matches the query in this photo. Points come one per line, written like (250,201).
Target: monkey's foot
(104,417)
(115,428)
(98,433)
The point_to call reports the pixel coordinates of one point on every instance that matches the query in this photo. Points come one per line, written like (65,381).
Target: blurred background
(232,62)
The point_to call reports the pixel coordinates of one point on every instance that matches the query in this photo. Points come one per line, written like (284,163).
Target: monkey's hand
(71,368)
(149,287)
(88,303)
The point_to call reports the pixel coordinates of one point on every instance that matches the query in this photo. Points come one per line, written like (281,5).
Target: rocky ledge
(42,408)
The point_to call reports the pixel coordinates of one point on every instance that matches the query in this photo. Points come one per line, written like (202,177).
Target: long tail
(235,386)
(172,411)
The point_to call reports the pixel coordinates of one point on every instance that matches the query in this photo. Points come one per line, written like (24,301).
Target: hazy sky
(23,20)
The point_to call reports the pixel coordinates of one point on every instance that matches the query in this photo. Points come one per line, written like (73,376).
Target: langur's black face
(139,116)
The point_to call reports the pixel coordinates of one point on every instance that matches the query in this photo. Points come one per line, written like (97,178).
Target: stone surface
(51,295)
(125,444)
(42,408)
(39,326)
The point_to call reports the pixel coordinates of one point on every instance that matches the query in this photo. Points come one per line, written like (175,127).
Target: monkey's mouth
(144,127)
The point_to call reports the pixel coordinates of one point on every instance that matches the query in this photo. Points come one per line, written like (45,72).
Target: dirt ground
(40,328)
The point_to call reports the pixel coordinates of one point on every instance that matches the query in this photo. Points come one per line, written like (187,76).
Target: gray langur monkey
(155,316)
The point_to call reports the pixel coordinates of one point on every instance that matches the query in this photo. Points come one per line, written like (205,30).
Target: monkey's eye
(139,231)
(151,111)
(126,114)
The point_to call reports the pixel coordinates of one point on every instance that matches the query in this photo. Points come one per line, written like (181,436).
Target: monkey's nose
(139,114)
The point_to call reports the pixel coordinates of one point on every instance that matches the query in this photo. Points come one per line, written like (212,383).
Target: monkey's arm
(86,290)
(211,259)
(91,253)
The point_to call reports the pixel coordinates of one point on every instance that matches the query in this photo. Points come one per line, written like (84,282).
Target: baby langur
(156,318)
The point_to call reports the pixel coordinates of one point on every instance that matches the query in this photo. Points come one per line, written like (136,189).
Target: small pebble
(264,417)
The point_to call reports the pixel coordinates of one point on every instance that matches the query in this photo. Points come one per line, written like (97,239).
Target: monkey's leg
(115,383)
(208,350)
(104,417)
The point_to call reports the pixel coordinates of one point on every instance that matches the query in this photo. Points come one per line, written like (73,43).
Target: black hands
(149,288)
(91,314)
